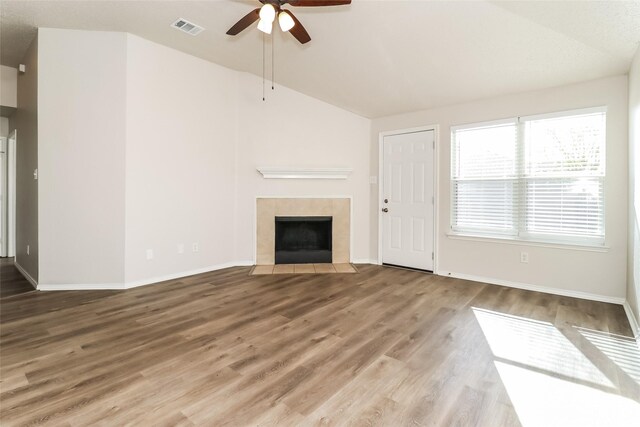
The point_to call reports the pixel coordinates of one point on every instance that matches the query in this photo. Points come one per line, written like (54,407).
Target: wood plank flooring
(381,347)
(11,281)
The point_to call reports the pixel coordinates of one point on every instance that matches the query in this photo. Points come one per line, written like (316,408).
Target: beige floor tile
(283,269)
(344,268)
(304,268)
(262,269)
(324,268)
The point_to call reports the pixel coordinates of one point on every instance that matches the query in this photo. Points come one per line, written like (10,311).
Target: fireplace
(303,239)
(336,208)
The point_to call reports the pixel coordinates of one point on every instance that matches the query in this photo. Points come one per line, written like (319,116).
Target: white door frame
(436,195)
(4,189)
(12,173)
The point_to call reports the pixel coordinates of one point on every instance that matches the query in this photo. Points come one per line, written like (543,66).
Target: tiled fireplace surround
(268,208)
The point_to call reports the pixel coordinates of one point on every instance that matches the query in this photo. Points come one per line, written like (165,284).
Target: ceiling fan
(286,19)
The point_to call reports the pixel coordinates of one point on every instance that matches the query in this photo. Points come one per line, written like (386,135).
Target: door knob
(385,210)
(386,200)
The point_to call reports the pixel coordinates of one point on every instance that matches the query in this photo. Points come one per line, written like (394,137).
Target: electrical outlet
(180,248)
(149,254)
(524,257)
(195,247)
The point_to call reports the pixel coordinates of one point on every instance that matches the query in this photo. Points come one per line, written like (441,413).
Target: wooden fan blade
(310,3)
(244,22)
(298,31)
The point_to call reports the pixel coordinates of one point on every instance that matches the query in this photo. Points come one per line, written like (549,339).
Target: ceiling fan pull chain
(263,63)
(273,61)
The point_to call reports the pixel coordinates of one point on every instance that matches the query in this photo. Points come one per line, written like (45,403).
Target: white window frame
(522,236)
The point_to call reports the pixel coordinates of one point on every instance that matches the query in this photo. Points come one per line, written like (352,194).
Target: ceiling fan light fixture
(267,13)
(265,26)
(286,21)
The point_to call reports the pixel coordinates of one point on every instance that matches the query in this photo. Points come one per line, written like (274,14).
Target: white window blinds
(534,178)
(485,178)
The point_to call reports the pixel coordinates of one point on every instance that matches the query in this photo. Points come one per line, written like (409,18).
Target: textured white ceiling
(375,58)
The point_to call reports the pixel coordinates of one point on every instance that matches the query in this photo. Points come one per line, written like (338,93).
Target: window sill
(520,242)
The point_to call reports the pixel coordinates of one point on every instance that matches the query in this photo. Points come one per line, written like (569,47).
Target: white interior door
(408,200)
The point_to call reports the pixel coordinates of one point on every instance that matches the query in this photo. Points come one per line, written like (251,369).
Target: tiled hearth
(303,269)
(268,208)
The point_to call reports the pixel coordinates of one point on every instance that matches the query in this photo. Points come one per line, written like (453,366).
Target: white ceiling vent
(187,27)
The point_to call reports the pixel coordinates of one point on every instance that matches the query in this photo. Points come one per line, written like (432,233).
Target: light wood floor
(380,347)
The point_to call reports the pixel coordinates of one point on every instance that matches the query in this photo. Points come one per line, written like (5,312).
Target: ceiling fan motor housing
(288,22)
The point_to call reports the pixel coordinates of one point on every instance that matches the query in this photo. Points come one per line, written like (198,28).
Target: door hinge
(431,256)
(434,144)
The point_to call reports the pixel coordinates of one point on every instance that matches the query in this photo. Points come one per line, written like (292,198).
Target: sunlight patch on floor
(549,380)
(538,345)
(623,351)
(543,400)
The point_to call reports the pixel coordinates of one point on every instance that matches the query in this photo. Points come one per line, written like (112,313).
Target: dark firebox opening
(303,239)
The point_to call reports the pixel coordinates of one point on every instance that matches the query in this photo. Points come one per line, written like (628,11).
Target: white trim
(436,186)
(380,191)
(519,242)
(365,261)
(83,287)
(3,196)
(246,263)
(568,113)
(487,124)
(436,196)
(536,288)
(143,282)
(11,193)
(304,173)
(26,275)
(137,283)
(635,328)
(254,236)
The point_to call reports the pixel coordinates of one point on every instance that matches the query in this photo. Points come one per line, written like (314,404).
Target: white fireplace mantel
(304,173)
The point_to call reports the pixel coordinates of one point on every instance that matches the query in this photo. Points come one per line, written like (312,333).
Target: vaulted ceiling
(375,58)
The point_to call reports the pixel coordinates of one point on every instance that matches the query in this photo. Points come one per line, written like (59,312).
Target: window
(538,178)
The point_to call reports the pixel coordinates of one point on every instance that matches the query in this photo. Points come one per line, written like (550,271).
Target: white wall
(8,86)
(633,274)
(180,173)
(82,90)
(4,126)
(150,148)
(25,121)
(293,130)
(598,274)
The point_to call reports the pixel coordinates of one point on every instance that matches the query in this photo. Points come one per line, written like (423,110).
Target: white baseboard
(26,275)
(137,283)
(244,264)
(143,282)
(157,279)
(81,287)
(152,280)
(632,320)
(537,288)
(364,261)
